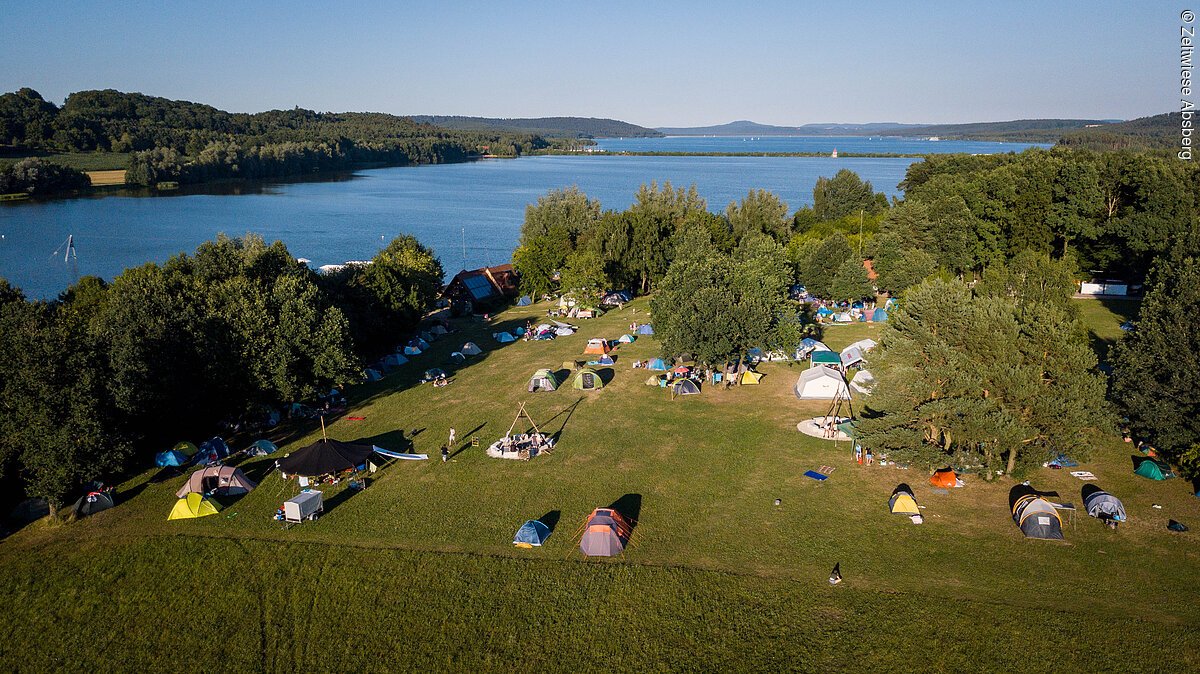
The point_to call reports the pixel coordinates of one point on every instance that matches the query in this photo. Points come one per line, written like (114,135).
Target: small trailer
(307,505)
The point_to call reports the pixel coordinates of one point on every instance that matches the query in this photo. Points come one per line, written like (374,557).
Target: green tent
(588,380)
(830,358)
(543,380)
(1154,470)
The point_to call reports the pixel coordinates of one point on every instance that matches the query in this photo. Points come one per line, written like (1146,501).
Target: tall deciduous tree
(845,194)
(759,212)
(819,268)
(850,282)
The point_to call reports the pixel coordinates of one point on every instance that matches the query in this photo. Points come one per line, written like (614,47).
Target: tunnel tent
(532,533)
(903,502)
(605,533)
(588,379)
(217,480)
(1103,505)
(1037,518)
(543,380)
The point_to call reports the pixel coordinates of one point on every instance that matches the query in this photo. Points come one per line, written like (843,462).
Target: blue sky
(655,64)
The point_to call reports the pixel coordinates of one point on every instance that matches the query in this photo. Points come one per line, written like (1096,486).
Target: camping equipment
(1103,505)
(903,502)
(1153,469)
(543,380)
(532,533)
(92,503)
(1037,518)
(471,349)
(194,505)
(307,505)
(588,379)
(217,480)
(684,387)
(944,478)
(323,457)
(605,533)
(821,383)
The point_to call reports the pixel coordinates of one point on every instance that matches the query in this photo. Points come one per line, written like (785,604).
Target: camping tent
(684,387)
(525,301)
(471,349)
(1103,505)
(657,365)
(605,360)
(627,339)
(419,343)
(656,380)
(879,315)
(821,383)
(533,532)
(439,330)
(862,382)
(864,344)
(617,297)
(826,358)
(186,448)
(212,450)
(543,380)
(824,311)
(457,358)
(92,503)
(851,356)
(843,317)
(1152,469)
(170,457)
(750,377)
(503,337)
(194,505)
(427,337)
(944,478)
(411,350)
(588,379)
(325,456)
(372,374)
(903,502)
(1037,518)
(261,448)
(596,346)
(218,480)
(809,345)
(645,329)
(605,534)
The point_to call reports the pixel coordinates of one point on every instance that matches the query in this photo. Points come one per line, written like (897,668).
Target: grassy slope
(84,161)
(417,571)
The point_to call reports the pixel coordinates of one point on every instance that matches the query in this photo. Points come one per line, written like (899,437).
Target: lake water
(349,217)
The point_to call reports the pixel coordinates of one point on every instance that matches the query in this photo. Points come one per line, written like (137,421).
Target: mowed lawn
(417,572)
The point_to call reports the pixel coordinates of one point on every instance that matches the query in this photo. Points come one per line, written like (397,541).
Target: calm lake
(349,217)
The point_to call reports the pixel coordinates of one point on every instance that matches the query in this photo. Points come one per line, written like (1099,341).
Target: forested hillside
(1156,132)
(551,127)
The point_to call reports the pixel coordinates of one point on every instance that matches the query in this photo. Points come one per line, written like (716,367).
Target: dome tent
(821,383)
(605,534)
(903,502)
(684,387)
(471,349)
(543,380)
(532,533)
(194,505)
(1037,518)
(588,379)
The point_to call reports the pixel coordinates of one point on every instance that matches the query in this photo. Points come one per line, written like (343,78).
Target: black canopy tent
(325,456)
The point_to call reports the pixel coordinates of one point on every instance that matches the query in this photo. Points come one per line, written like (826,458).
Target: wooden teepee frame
(521,412)
(830,430)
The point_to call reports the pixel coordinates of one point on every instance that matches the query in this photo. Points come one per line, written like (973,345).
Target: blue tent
(645,329)
(504,337)
(879,315)
(262,448)
(212,449)
(824,311)
(524,301)
(532,533)
(520,332)
(171,457)
(657,364)
(755,353)
(605,360)
(1062,461)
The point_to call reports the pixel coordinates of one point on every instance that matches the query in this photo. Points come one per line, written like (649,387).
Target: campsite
(429,547)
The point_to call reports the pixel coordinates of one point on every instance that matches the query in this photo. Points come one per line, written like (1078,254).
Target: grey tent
(219,480)
(605,534)
(92,503)
(1037,518)
(471,349)
(1103,505)
(684,387)
(543,380)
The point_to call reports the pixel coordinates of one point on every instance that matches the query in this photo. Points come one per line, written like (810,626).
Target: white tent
(821,383)
(851,356)
(864,344)
(470,349)
(862,382)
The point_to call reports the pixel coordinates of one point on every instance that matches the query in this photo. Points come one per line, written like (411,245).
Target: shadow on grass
(466,440)
(1022,490)
(568,411)
(630,507)
(551,519)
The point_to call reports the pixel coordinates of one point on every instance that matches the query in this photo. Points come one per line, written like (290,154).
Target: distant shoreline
(645,153)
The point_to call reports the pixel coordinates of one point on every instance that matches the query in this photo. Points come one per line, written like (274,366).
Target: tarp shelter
(588,380)
(627,339)
(862,382)
(821,383)
(826,358)
(903,502)
(217,480)
(944,478)
(879,315)
(194,505)
(1103,505)
(605,534)
(657,365)
(170,457)
(750,377)
(532,533)
(543,380)
(597,346)
(92,503)
(1154,470)
(262,448)
(525,301)
(1037,518)
(645,329)
(684,387)
(503,337)
(471,349)
(325,456)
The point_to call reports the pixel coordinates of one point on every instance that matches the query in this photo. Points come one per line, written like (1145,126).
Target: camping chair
(475,441)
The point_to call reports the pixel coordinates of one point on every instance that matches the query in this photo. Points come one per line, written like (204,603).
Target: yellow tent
(903,503)
(194,505)
(751,377)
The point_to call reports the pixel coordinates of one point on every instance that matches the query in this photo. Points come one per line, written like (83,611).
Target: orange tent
(597,346)
(605,533)
(944,478)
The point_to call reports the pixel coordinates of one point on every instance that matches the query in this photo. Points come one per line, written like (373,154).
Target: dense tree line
(165,352)
(36,176)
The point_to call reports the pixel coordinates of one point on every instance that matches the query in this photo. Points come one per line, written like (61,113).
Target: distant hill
(748,128)
(551,127)
(1020,130)
(1157,131)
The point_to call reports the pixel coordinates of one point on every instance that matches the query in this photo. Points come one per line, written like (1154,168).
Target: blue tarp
(645,329)
(815,475)
(1063,461)
(824,311)
(533,532)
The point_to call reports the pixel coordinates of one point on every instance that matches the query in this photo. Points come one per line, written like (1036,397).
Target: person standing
(451,443)
(445,454)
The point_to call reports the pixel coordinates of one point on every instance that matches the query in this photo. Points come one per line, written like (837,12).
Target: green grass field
(417,572)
